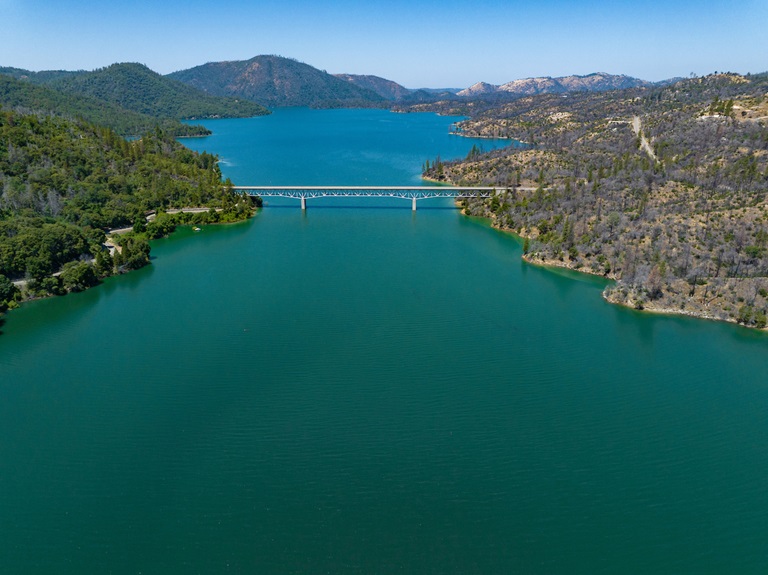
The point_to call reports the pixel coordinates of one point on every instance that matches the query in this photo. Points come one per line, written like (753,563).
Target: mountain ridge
(275,81)
(595,82)
(387,89)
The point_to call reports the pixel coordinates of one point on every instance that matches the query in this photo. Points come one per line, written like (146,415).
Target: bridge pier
(413,204)
(304,203)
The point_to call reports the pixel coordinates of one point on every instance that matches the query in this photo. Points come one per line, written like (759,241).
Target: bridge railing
(412,193)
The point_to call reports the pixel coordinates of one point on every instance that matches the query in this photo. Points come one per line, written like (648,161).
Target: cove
(361,389)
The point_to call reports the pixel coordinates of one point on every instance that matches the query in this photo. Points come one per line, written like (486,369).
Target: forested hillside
(277,82)
(63,183)
(137,88)
(387,89)
(30,97)
(663,189)
(129,98)
(43,77)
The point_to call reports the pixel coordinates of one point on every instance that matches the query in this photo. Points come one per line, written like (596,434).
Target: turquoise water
(361,389)
(297,146)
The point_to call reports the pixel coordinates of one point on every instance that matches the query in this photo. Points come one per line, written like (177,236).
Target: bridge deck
(408,192)
(449,188)
(412,193)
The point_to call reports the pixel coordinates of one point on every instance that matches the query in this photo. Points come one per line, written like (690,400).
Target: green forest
(27,97)
(83,153)
(64,183)
(129,98)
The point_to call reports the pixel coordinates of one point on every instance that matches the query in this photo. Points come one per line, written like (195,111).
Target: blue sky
(418,43)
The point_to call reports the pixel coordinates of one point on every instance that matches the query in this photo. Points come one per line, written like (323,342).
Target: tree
(135,253)
(567,233)
(78,276)
(7,292)
(614,218)
(103,265)
(655,282)
(745,314)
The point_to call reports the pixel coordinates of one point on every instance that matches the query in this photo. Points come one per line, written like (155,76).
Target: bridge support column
(413,204)
(303,202)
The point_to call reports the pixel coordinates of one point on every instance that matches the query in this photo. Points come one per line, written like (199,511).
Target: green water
(361,389)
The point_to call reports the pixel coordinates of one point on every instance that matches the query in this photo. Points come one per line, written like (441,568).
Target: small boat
(196,229)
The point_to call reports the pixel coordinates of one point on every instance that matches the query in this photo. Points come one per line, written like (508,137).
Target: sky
(417,43)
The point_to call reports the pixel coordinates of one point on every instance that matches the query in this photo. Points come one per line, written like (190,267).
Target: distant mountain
(387,89)
(670,81)
(440,91)
(533,86)
(274,81)
(394,92)
(137,88)
(479,89)
(39,77)
(424,96)
(598,82)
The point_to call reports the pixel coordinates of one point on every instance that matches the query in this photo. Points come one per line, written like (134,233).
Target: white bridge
(412,193)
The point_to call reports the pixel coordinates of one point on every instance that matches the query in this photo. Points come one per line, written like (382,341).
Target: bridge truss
(412,193)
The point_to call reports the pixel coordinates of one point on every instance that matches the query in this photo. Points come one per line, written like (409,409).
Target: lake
(362,389)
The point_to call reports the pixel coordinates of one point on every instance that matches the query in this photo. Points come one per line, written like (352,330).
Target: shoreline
(671,311)
(505,138)
(608,296)
(112,247)
(558,264)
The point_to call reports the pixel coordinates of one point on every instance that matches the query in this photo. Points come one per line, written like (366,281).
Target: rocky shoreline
(676,299)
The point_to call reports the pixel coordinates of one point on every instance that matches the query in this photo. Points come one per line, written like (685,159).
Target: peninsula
(662,189)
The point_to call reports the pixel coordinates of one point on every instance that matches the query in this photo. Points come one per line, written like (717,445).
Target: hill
(274,81)
(137,88)
(31,97)
(387,89)
(395,93)
(664,190)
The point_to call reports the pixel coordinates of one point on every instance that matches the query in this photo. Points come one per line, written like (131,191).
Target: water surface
(362,389)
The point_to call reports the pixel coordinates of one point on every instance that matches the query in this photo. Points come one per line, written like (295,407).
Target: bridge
(412,193)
